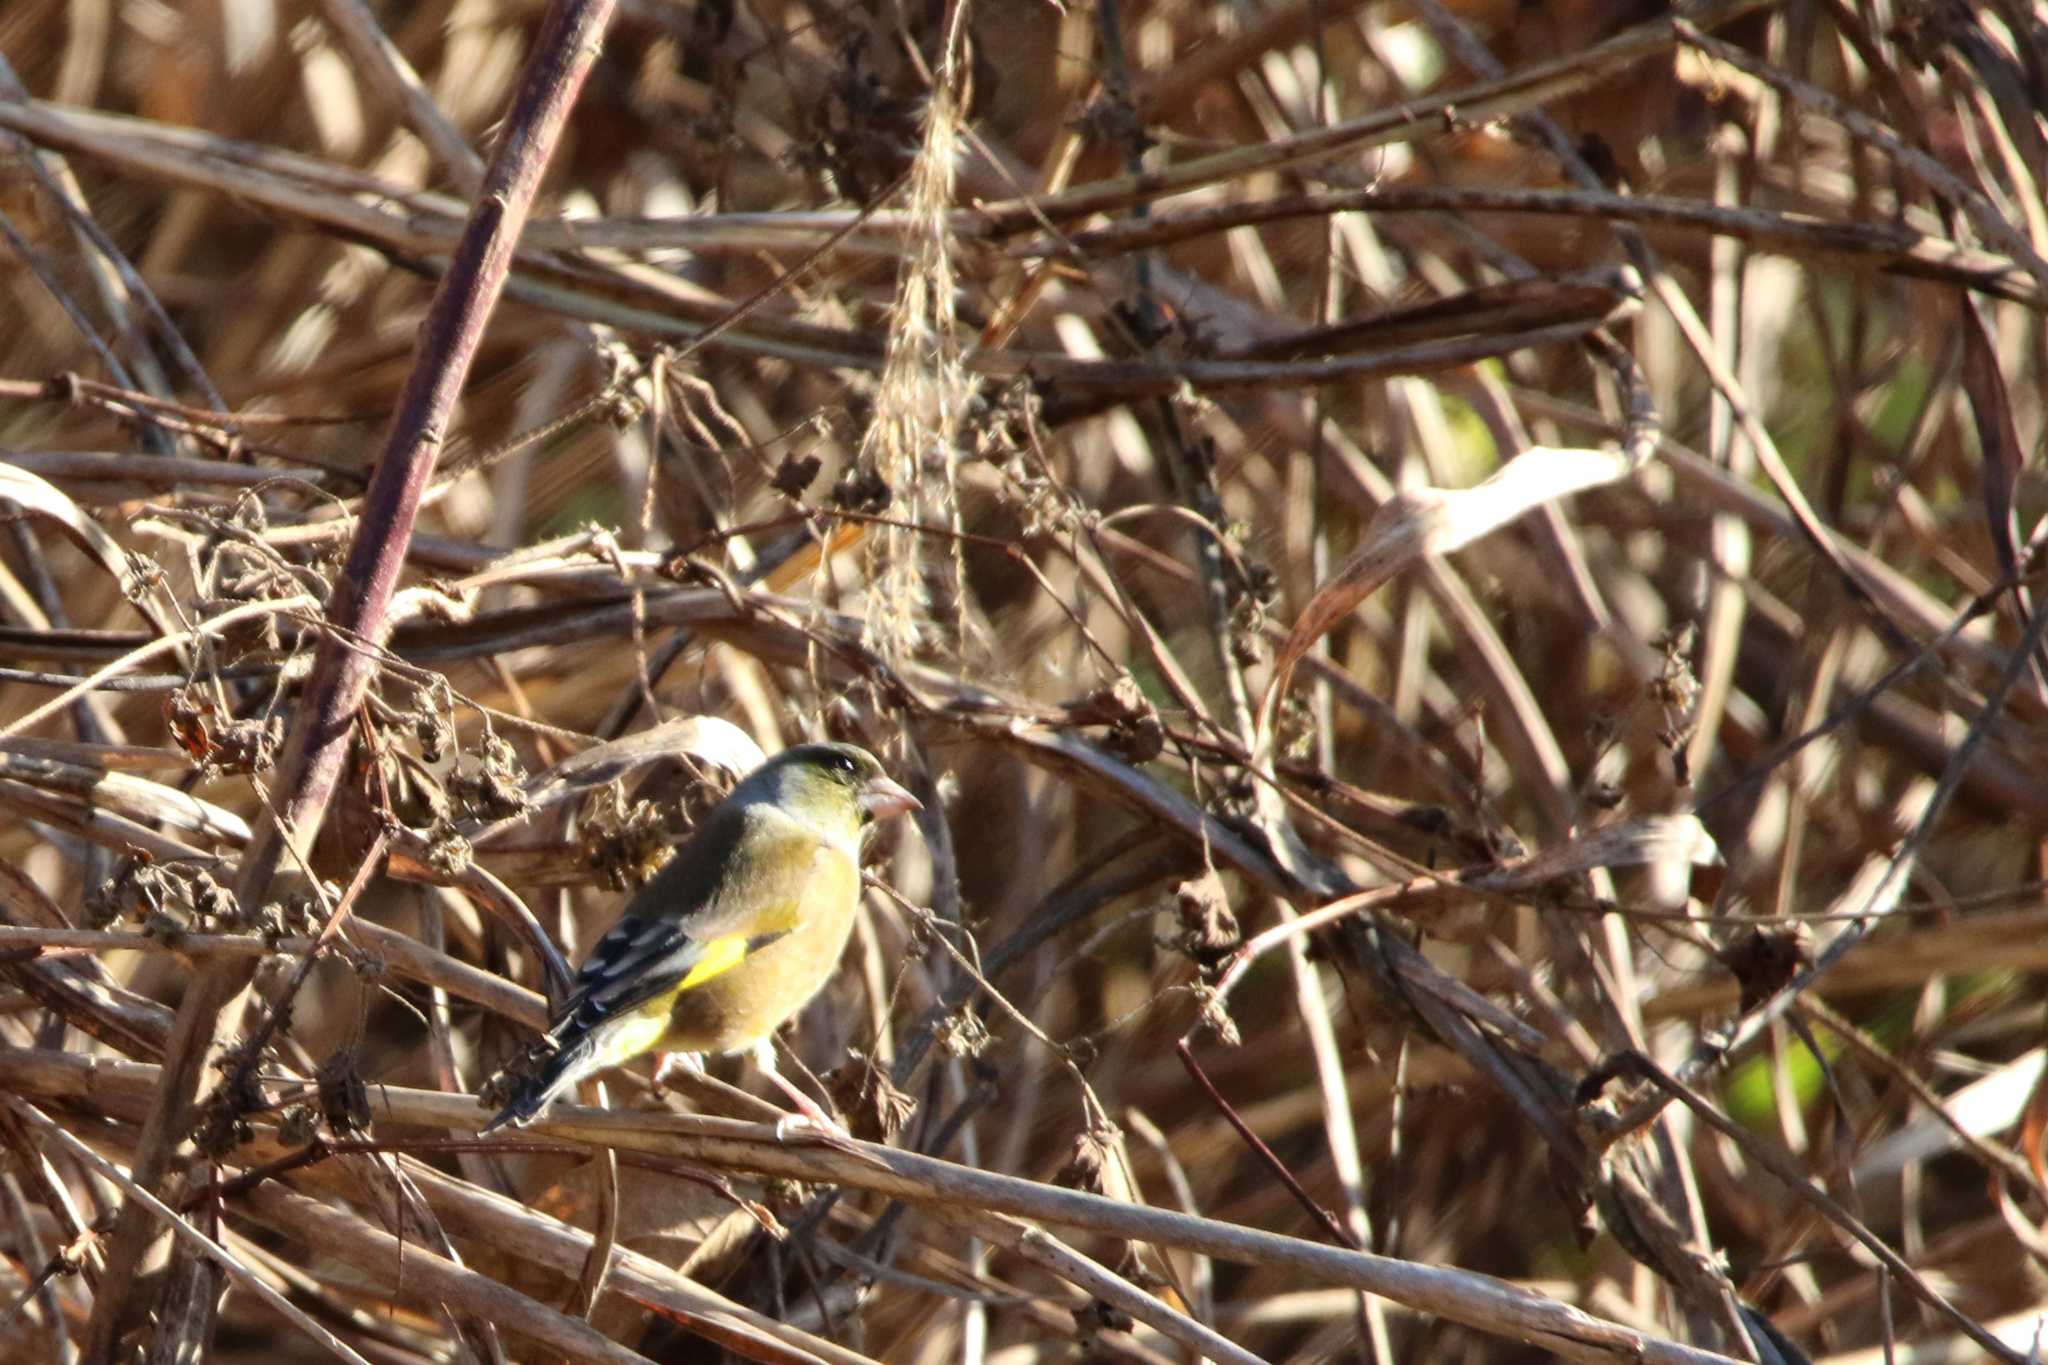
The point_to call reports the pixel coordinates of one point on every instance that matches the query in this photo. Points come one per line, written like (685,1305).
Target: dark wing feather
(639,959)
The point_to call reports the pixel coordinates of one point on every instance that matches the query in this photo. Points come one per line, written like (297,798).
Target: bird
(737,932)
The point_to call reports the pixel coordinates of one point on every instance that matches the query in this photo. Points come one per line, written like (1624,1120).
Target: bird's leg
(809,1114)
(692,1062)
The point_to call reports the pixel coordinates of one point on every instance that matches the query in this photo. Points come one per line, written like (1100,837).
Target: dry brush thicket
(1458,579)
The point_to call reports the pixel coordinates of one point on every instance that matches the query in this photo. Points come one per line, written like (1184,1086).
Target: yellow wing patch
(721,955)
(635,1033)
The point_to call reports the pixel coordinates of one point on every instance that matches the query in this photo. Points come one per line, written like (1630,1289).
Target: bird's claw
(823,1130)
(689,1063)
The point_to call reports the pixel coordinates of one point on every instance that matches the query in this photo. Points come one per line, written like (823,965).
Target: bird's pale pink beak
(882,798)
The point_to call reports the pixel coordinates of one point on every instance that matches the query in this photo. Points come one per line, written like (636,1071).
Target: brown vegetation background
(1458,579)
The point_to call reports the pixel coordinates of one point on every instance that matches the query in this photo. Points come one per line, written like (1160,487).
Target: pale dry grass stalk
(913,437)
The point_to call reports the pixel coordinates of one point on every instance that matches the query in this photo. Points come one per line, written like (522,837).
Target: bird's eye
(841,763)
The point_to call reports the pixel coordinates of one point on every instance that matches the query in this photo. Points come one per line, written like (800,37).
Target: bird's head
(839,787)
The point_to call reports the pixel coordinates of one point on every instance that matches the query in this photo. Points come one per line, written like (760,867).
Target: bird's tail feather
(561,1071)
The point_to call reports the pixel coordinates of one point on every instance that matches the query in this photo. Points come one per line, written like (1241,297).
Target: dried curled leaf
(1436,521)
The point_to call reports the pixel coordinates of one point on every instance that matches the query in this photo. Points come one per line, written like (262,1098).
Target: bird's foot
(668,1063)
(810,1123)
(822,1129)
